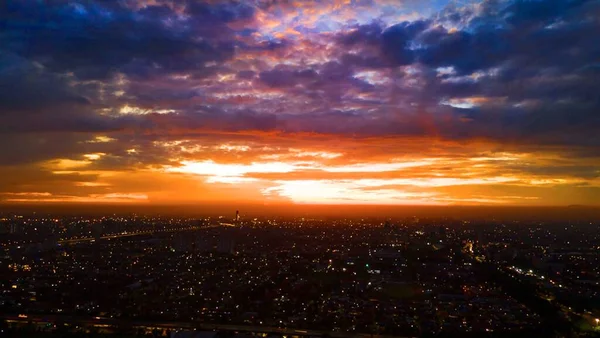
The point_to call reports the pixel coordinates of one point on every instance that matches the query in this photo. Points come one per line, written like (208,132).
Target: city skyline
(286,102)
(140,274)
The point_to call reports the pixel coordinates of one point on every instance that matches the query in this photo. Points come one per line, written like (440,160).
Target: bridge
(140,233)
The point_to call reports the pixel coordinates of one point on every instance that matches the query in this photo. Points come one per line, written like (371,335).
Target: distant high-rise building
(480,237)
(97,230)
(183,243)
(226,245)
(15,228)
(237,215)
(111,226)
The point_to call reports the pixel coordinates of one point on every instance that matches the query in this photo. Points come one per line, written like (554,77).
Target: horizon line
(279,204)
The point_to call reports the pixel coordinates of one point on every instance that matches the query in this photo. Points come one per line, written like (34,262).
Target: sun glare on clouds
(365,190)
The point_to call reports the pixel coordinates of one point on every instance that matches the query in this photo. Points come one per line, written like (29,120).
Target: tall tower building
(237,216)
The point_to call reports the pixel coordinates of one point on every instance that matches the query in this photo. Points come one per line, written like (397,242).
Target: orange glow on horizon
(253,172)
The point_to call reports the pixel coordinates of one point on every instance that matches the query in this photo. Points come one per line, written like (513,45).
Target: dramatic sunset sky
(319,102)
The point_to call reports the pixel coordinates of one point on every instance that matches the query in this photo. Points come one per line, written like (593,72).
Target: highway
(102,322)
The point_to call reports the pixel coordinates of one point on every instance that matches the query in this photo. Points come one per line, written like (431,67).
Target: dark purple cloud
(97,39)
(530,69)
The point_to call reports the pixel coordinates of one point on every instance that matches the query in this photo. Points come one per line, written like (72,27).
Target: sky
(308,102)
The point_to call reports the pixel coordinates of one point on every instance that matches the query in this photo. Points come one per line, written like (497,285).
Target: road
(101,322)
